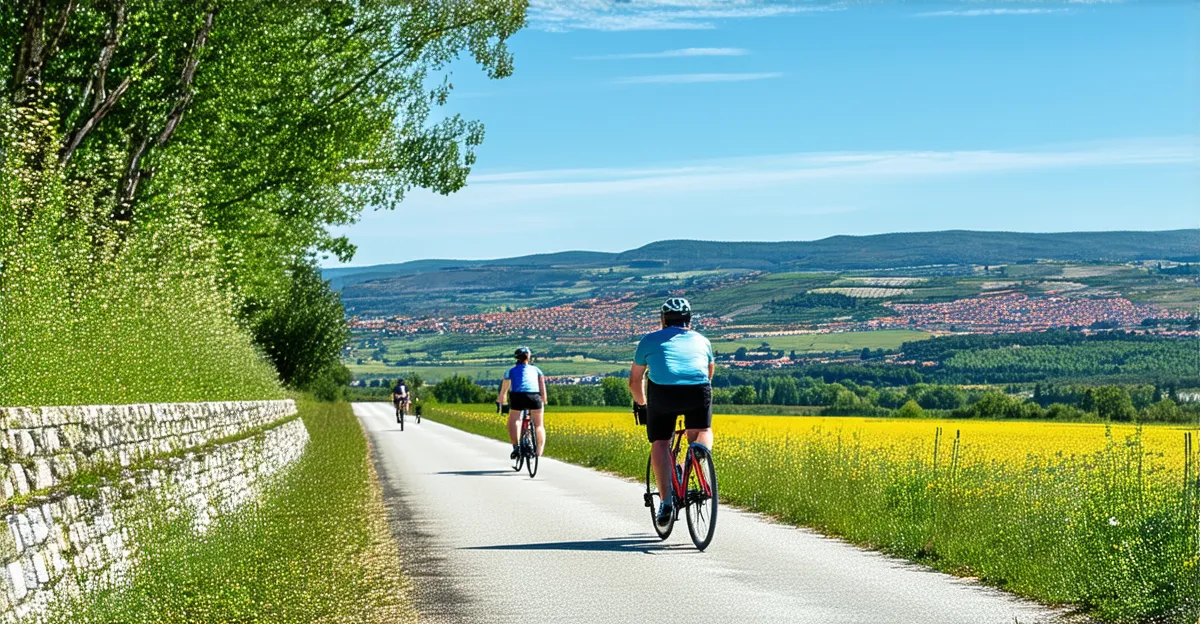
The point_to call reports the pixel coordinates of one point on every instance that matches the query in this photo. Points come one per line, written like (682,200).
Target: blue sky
(630,122)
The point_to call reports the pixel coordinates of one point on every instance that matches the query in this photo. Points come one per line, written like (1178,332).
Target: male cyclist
(400,394)
(525,386)
(681,364)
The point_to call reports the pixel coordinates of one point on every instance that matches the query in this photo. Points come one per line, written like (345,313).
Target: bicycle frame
(679,481)
(526,425)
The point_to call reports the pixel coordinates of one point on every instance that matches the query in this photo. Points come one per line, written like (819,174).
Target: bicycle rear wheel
(652,499)
(531,463)
(701,501)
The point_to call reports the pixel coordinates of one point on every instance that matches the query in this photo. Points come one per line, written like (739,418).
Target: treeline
(1115,356)
(612,391)
(1145,402)
(170,173)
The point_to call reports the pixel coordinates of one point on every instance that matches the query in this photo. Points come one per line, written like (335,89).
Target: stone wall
(68,531)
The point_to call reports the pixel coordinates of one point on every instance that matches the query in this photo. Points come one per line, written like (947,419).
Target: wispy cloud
(684,52)
(779,170)
(989,12)
(693,78)
(610,15)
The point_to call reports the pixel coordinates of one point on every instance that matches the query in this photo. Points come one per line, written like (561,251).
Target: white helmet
(677,305)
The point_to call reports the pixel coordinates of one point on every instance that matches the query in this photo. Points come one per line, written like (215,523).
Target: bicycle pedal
(648,499)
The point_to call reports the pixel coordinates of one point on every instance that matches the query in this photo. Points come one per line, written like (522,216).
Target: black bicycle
(527,456)
(401,407)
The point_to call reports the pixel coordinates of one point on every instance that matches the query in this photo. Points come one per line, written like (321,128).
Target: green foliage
(96,313)
(332,383)
(315,549)
(616,392)
(303,333)
(1113,403)
(584,396)
(207,149)
(910,409)
(460,389)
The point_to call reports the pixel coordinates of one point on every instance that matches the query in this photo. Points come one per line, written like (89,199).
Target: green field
(820,343)
(433,373)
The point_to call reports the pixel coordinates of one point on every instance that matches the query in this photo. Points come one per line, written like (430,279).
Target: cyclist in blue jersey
(680,364)
(525,386)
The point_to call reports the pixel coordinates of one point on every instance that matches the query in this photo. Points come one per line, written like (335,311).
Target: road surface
(485,544)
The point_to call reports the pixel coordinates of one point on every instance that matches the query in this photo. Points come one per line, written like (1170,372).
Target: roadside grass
(1113,532)
(316,548)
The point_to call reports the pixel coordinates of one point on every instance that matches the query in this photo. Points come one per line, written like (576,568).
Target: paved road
(485,544)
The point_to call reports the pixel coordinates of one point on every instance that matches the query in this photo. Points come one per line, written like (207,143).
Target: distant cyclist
(525,386)
(681,365)
(400,395)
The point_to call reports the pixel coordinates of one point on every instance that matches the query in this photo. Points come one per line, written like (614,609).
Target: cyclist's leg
(535,416)
(514,425)
(660,427)
(699,420)
(660,457)
(703,436)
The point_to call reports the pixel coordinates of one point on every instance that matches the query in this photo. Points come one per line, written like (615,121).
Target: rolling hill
(836,253)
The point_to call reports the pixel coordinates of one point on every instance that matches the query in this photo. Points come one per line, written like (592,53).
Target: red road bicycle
(694,482)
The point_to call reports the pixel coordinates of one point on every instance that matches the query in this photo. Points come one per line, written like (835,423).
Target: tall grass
(1112,532)
(316,549)
(93,311)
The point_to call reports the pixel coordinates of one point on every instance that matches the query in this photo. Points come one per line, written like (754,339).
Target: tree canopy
(264,124)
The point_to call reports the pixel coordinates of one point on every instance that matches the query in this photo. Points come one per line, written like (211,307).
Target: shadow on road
(608,544)
(478,473)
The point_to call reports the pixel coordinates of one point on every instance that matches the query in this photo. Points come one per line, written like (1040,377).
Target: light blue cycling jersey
(524,378)
(676,356)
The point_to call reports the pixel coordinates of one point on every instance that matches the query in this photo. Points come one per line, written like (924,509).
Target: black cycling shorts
(666,403)
(525,400)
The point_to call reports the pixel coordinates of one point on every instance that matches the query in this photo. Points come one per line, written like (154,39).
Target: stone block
(43,476)
(16,580)
(40,570)
(17,477)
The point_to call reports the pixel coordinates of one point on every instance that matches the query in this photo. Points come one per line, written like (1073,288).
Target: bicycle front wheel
(652,499)
(702,498)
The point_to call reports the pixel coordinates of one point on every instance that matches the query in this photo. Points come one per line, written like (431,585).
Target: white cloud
(611,15)
(684,52)
(693,78)
(785,169)
(988,12)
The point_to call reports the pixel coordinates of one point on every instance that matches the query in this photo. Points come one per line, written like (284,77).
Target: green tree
(911,409)
(461,389)
(616,392)
(744,395)
(1165,410)
(303,333)
(1113,403)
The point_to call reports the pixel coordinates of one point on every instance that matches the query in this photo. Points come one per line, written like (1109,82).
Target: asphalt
(485,544)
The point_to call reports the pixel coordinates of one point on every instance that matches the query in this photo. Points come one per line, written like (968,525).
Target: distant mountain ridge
(909,249)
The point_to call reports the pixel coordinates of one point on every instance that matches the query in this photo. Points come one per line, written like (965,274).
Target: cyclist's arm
(504,386)
(636,373)
(712,368)
(542,388)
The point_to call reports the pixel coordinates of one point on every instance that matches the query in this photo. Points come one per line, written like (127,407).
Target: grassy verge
(315,549)
(1112,532)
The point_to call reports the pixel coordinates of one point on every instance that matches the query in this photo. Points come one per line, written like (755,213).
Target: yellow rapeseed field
(1103,517)
(1015,443)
